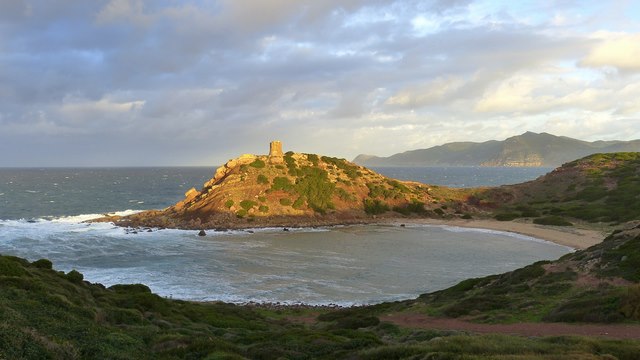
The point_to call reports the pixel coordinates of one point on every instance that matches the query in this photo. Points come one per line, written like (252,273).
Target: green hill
(600,188)
(528,149)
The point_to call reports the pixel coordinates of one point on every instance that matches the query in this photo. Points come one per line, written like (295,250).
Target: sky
(195,83)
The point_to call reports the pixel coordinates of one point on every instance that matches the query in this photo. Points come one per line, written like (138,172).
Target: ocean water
(42,213)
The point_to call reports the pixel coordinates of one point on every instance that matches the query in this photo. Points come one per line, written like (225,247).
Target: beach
(574,237)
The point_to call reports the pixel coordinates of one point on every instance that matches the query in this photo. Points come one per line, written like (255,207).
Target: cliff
(528,149)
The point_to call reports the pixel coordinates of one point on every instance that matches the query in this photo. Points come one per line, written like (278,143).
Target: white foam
(85,217)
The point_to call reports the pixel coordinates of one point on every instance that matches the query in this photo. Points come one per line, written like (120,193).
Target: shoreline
(573,237)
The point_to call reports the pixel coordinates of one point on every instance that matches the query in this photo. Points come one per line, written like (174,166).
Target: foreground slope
(528,149)
(56,315)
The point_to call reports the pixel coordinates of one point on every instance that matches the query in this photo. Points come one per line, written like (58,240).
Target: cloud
(198,82)
(620,51)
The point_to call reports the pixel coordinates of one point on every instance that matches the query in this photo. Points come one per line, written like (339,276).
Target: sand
(576,238)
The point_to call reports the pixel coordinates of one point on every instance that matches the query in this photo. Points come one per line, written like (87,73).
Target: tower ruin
(275,152)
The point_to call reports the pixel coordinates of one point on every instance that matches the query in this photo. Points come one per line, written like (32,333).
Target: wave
(85,217)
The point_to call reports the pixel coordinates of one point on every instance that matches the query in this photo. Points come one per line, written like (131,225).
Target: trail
(614,331)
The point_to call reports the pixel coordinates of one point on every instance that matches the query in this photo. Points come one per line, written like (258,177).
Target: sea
(43,213)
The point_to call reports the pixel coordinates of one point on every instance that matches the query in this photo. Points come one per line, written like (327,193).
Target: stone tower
(275,152)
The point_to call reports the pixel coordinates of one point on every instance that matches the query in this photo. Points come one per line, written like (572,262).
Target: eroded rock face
(225,169)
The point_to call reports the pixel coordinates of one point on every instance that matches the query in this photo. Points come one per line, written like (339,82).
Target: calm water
(41,214)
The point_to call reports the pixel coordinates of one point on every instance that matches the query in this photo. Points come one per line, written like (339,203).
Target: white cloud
(620,51)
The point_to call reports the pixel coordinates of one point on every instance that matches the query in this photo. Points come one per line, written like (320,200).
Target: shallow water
(340,265)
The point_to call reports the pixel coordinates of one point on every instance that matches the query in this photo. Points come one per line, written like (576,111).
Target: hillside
(599,284)
(293,189)
(48,314)
(600,188)
(528,149)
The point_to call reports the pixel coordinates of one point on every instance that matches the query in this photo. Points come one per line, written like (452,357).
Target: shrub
(299,203)
(506,216)
(10,267)
(247,204)
(75,276)
(552,220)
(375,206)
(42,264)
(241,213)
(262,179)
(262,198)
(263,208)
(257,163)
(228,204)
(316,188)
(285,202)
(313,158)
(630,307)
(281,183)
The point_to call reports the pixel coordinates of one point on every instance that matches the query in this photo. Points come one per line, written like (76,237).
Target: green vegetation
(285,202)
(375,206)
(597,188)
(263,208)
(247,204)
(262,179)
(258,164)
(552,220)
(48,314)
(316,188)
(414,207)
(352,171)
(228,204)
(508,216)
(282,183)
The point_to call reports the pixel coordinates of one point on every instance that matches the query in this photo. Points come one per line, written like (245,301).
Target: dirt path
(615,331)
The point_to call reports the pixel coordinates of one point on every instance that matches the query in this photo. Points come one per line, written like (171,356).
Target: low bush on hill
(552,220)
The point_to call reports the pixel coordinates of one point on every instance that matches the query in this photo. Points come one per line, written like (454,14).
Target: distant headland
(526,150)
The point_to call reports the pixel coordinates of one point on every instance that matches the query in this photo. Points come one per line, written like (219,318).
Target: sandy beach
(573,237)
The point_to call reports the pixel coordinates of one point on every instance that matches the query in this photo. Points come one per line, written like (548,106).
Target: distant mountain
(529,149)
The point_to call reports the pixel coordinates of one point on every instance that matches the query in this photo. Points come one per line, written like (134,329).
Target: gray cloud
(140,82)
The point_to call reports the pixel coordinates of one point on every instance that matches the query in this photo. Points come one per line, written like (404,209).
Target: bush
(263,208)
(241,213)
(228,204)
(75,276)
(552,220)
(42,264)
(257,163)
(375,206)
(10,267)
(281,183)
(506,216)
(299,203)
(247,204)
(262,179)
(285,202)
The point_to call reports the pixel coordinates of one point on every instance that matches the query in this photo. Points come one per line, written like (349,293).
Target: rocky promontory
(292,189)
